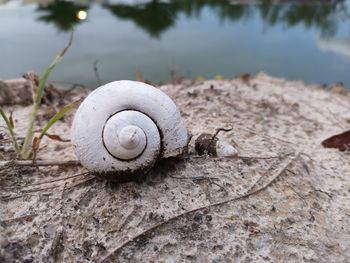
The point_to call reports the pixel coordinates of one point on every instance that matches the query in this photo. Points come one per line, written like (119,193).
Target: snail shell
(125,127)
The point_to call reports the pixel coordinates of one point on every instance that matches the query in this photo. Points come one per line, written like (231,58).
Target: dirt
(285,198)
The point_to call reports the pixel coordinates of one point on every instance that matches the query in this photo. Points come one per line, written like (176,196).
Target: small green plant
(30,145)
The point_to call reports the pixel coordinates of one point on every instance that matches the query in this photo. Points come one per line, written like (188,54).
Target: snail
(124,127)
(209,144)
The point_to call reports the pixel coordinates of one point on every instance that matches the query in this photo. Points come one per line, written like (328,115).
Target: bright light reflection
(82,15)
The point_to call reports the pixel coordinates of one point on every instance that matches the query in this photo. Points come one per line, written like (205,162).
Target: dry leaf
(340,141)
(56,137)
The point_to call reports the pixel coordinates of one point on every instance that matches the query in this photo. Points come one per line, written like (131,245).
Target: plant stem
(29,135)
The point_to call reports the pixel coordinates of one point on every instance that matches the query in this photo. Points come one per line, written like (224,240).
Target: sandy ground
(284,199)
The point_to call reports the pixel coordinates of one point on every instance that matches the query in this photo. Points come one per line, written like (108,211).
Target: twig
(41,183)
(81,182)
(280,171)
(55,186)
(220,130)
(199,178)
(61,179)
(264,157)
(219,185)
(20,218)
(195,178)
(40,163)
(246,157)
(250,192)
(96,72)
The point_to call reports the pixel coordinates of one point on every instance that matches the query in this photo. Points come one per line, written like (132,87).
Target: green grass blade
(10,129)
(37,100)
(58,116)
(47,72)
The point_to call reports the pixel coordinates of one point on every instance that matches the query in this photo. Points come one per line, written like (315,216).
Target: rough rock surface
(285,198)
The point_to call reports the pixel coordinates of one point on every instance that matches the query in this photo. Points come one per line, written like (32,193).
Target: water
(309,42)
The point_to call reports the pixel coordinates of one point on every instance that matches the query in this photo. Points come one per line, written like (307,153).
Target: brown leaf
(56,137)
(244,77)
(340,141)
(35,145)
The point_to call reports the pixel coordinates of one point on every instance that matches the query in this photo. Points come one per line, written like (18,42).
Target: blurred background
(298,40)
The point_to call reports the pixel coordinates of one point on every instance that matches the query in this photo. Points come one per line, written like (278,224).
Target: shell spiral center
(132,138)
(125,134)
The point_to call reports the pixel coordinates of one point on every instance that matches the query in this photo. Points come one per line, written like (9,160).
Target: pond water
(299,40)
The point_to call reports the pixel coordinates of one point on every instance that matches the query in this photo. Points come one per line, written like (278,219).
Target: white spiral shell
(125,127)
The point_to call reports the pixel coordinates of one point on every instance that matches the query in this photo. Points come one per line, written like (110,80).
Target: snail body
(209,144)
(125,127)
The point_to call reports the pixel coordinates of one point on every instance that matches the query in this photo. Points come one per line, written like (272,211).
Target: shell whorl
(125,134)
(125,126)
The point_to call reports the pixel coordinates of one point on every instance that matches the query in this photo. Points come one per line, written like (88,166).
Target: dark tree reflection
(154,17)
(322,16)
(62,14)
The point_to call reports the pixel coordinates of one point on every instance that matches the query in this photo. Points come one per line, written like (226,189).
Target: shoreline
(300,210)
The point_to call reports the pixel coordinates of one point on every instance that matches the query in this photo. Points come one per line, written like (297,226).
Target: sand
(285,198)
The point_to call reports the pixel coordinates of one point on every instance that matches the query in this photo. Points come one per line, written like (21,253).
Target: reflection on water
(338,46)
(212,37)
(155,17)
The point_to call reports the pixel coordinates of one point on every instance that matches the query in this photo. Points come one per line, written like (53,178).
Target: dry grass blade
(39,163)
